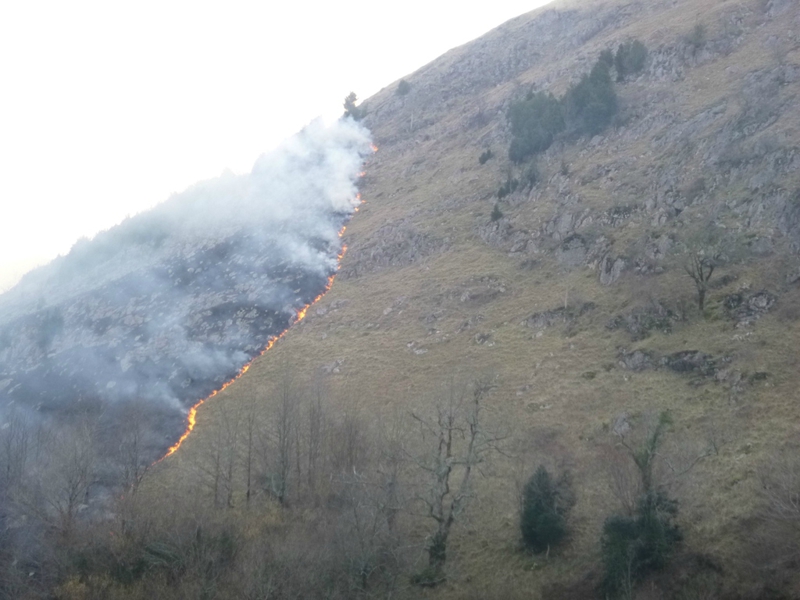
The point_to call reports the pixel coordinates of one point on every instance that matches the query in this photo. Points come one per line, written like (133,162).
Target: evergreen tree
(535,122)
(590,105)
(636,545)
(350,108)
(630,58)
(497,214)
(542,520)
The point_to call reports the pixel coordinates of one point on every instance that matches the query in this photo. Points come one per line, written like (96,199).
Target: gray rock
(622,424)
(640,321)
(637,360)
(691,361)
(748,309)
(611,269)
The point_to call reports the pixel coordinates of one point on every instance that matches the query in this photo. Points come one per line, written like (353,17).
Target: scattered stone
(572,251)
(622,424)
(691,361)
(333,367)
(548,318)
(611,269)
(747,309)
(641,321)
(484,339)
(637,360)
(471,322)
(433,316)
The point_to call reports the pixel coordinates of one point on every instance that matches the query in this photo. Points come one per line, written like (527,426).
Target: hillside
(431,287)
(168,306)
(574,302)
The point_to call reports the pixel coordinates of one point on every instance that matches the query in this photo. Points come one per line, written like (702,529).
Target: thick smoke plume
(165,307)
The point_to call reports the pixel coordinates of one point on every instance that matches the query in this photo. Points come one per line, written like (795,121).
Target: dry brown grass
(431,177)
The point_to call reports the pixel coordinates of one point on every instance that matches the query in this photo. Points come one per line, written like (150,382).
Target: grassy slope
(427,177)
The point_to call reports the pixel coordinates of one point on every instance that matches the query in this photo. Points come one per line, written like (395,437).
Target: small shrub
(486,156)
(542,519)
(497,214)
(634,546)
(697,37)
(630,59)
(428,577)
(531,176)
(509,187)
(403,87)
(695,189)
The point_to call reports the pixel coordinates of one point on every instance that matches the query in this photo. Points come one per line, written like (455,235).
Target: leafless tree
(277,437)
(700,267)
(778,538)
(458,443)
(62,472)
(131,450)
(14,447)
(315,435)
(209,464)
(251,424)
(349,444)
(229,421)
(646,464)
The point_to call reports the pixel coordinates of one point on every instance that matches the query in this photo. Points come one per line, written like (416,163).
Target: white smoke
(169,304)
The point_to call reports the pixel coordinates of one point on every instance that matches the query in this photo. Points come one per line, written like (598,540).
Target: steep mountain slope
(166,307)
(577,299)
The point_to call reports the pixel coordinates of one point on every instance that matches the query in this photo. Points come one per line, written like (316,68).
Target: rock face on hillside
(729,139)
(572,287)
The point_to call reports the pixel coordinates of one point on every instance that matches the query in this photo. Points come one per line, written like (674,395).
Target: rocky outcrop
(747,309)
(396,245)
(691,362)
(640,322)
(561,315)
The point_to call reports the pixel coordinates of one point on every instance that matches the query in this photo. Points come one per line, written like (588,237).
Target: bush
(403,87)
(535,122)
(509,187)
(590,105)
(697,37)
(485,156)
(497,214)
(636,545)
(630,58)
(531,176)
(350,108)
(542,518)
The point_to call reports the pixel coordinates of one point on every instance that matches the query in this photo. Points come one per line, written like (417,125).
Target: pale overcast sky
(106,108)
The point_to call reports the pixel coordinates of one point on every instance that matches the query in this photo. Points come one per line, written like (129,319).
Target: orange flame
(299,316)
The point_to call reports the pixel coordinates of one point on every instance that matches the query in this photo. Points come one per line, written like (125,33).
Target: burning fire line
(300,315)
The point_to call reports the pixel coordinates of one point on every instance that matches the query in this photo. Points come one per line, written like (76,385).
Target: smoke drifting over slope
(165,307)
